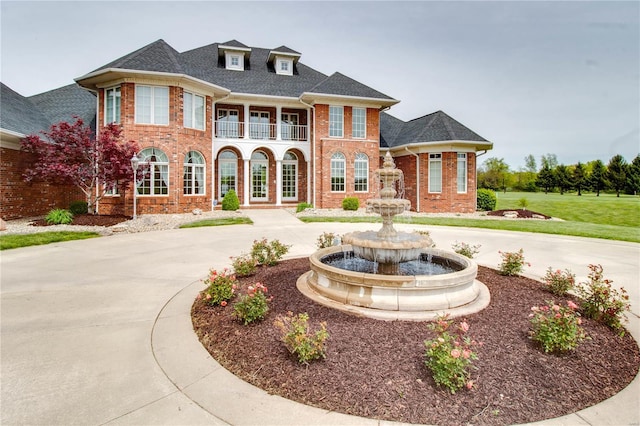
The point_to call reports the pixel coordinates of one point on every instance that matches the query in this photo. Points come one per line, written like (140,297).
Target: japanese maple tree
(71,154)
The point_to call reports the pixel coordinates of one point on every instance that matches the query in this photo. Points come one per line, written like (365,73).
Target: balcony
(225,129)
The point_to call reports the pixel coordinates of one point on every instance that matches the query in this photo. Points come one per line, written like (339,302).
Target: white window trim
(278,66)
(360,160)
(192,120)
(153,116)
(193,167)
(106,96)
(222,161)
(152,179)
(228,60)
(264,162)
(364,136)
(342,160)
(295,177)
(438,159)
(342,128)
(466,171)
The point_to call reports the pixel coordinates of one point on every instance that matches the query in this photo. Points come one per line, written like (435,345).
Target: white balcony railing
(261,131)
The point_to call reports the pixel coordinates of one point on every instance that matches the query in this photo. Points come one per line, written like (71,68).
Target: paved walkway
(98,331)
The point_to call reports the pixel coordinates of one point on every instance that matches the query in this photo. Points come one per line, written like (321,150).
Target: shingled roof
(19,115)
(435,127)
(157,56)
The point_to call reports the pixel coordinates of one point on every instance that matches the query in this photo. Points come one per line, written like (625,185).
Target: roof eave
(444,145)
(95,80)
(315,98)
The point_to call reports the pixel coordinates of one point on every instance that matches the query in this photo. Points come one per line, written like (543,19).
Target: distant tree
(633,176)
(579,178)
(72,155)
(530,164)
(617,173)
(494,174)
(598,178)
(563,178)
(549,159)
(546,178)
(526,176)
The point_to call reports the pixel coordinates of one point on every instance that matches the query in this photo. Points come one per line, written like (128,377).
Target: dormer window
(284,66)
(234,61)
(283,60)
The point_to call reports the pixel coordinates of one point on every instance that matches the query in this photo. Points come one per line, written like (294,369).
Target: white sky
(532,77)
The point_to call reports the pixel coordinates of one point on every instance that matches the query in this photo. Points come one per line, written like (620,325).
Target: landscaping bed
(89,220)
(518,214)
(376,369)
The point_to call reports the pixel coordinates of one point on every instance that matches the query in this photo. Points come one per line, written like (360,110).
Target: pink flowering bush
(601,301)
(244,265)
(299,339)
(559,282)
(449,356)
(513,263)
(466,249)
(221,287)
(252,306)
(555,327)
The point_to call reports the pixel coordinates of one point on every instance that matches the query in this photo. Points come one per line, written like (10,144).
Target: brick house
(258,121)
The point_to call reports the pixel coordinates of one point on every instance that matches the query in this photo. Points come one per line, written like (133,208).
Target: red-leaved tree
(71,155)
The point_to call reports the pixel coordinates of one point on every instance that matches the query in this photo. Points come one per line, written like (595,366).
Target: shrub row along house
(258,121)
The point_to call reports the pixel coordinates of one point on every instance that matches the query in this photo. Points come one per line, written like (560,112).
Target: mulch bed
(375,368)
(90,220)
(522,214)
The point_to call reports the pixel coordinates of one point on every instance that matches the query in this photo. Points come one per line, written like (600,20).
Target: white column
(309,182)
(278,182)
(247,177)
(278,123)
(246,121)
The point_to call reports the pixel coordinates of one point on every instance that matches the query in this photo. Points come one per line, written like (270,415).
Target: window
(234,61)
(361,167)
(284,66)
(193,180)
(337,172)
(359,122)
(289,177)
(227,124)
(290,129)
(155,179)
(435,172)
(112,105)
(193,111)
(336,124)
(228,172)
(259,125)
(462,173)
(152,105)
(112,191)
(259,175)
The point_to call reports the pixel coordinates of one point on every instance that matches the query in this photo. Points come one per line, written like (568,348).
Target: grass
(605,217)
(218,222)
(24,240)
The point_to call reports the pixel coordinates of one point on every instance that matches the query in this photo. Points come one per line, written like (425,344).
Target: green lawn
(24,240)
(218,222)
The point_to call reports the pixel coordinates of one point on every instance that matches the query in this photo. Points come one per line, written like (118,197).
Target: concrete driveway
(78,344)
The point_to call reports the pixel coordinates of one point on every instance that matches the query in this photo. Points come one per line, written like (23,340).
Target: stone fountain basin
(402,247)
(408,297)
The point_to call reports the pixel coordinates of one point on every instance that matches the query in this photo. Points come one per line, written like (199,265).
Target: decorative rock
(197,212)
(3,225)
(537,216)
(510,214)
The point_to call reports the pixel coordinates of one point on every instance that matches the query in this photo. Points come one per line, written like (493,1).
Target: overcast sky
(532,77)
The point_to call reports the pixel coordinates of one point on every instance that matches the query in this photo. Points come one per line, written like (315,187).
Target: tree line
(617,175)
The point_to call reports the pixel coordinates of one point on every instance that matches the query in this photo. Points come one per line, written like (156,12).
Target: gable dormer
(235,55)
(283,60)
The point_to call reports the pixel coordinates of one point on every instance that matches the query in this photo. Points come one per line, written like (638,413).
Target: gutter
(314,150)
(417,178)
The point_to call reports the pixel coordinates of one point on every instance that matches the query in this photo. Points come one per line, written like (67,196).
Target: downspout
(213,161)
(475,171)
(417,178)
(314,149)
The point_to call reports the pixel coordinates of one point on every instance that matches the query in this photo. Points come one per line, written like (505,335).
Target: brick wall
(19,199)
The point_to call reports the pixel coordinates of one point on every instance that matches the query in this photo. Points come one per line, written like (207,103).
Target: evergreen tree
(563,178)
(633,176)
(546,178)
(617,173)
(579,178)
(598,178)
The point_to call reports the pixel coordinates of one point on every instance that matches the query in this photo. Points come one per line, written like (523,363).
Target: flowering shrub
(268,253)
(221,287)
(512,263)
(602,302)
(450,356)
(326,239)
(559,282)
(244,265)
(466,249)
(299,340)
(556,328)
(252,306)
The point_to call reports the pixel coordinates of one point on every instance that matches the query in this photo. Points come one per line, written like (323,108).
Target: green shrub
(559,282)
(466,249)
(268,253)
(252,306)
(486,199)
(79,207)
(303,206)
(513,263)
(243,265)
(555,327)
(230,201)
(59,217)
(350,203)
(326,239)
(299,340)
(220,287)
(523,202)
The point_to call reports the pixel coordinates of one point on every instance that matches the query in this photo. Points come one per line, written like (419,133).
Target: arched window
(337,172)
(193,174)
(259,176)
(361,172)
(290,177)
(227,172)
(155,179)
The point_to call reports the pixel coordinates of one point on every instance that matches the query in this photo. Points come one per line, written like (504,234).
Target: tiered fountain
(393,275)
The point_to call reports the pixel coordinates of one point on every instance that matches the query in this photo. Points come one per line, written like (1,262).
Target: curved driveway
(98,331)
